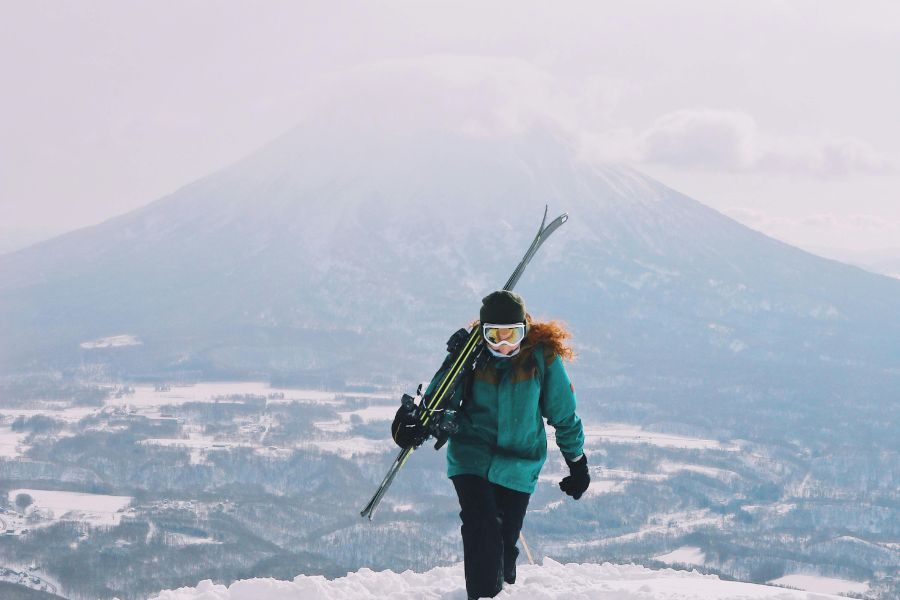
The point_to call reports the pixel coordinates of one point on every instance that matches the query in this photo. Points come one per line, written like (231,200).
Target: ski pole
(525,545)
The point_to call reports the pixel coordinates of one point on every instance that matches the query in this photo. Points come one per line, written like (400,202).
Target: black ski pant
(491,520)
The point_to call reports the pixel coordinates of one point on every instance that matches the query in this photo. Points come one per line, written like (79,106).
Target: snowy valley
(134,489)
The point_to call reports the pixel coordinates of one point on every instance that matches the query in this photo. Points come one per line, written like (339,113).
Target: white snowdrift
(549,581)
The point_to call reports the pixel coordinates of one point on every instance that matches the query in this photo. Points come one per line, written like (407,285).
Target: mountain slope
(323,255)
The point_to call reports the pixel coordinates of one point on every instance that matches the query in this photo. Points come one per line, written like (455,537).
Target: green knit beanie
(502,307)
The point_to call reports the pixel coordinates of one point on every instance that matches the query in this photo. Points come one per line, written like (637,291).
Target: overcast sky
(780,114)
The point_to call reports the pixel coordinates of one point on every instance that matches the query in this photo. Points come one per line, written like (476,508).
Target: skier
(497,453)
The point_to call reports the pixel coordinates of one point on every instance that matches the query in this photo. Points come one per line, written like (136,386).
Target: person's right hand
(407,430)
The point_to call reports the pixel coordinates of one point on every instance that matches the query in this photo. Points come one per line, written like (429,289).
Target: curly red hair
(552,334)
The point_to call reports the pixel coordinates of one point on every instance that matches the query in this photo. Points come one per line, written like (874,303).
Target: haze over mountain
(356,255)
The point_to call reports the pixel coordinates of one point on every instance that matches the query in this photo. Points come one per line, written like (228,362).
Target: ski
(465,350)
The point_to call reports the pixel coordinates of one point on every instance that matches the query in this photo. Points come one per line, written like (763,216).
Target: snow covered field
(148,396)
(151,401)
(662,523)
(721,474)
(624,433)
(27,577)
(825,585)
(11,442)
(113,341)
(97,509)
(598,488)
(376,412)
(354,446)
(550,581)
(69,414)
(686,555)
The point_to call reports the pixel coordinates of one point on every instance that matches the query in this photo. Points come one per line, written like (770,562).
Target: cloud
(820,231)
(830,157)
(488,96)
(471,95)
(731,140)
(858,221)
(716,139)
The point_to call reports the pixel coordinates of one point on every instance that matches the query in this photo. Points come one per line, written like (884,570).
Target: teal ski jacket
(501,434)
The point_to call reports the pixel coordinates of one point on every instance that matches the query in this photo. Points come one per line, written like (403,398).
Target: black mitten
(578,480)
(407,430)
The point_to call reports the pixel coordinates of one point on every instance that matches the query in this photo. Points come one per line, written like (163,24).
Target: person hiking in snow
(495,456)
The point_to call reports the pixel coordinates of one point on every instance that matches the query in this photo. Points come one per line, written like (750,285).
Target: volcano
(332,257)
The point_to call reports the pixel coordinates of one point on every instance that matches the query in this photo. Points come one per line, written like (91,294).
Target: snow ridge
(549,581)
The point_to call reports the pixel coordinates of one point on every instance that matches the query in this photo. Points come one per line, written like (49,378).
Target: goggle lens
(509,335)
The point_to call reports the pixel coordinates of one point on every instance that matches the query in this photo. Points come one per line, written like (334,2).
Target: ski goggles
(511,334)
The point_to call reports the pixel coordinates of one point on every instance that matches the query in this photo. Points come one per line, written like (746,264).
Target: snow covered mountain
(549,581)
(338,255)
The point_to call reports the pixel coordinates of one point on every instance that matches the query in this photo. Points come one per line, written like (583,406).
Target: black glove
(578,480)
(407,430)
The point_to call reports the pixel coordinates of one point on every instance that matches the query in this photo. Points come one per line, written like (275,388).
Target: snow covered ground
(632,434)
(686,555)
(549,581)
(183,539)
(113,341)
(57,410)
(721,474)
(152,401)
(97,509)
(350,447)
(825,585)
(11,442)
(28,577)
(148,396)
(376,412)
(198,445)
(662,523)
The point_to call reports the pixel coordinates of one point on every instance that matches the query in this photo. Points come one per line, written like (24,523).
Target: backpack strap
(539,360)
(538,355)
